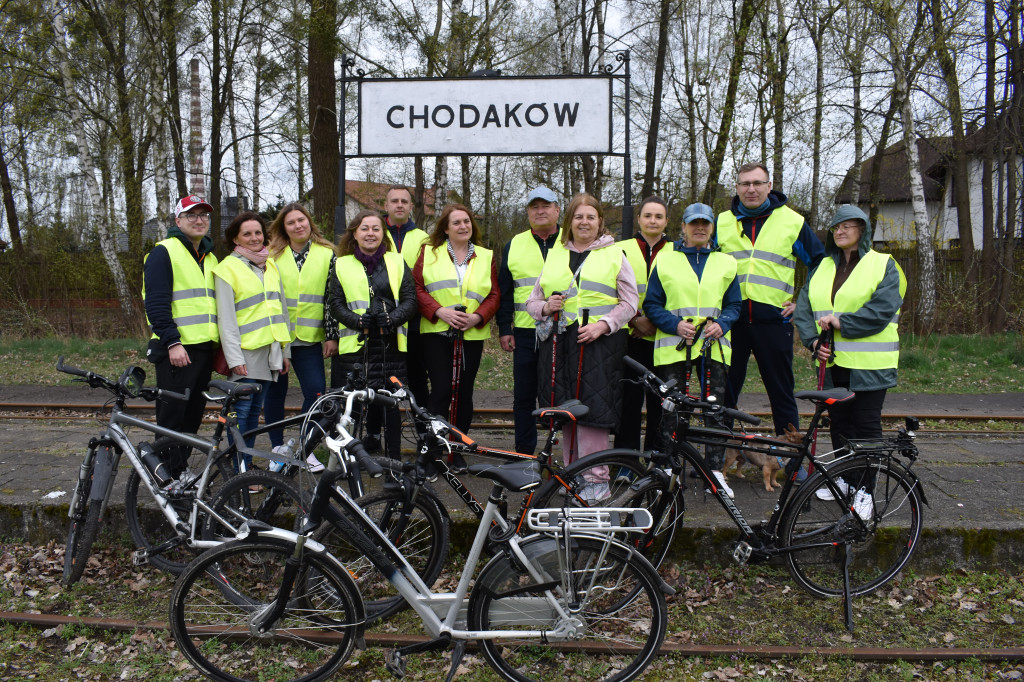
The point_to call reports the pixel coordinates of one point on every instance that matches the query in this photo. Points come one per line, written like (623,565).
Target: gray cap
(541,193)
(698,211)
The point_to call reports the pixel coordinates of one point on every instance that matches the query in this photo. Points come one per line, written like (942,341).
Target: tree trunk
(26,174)
(440,185)
(10,207)
(108,245)
(961,175)
(168,30)
(323,118)
(419,213)
(217,110)
(466,184)
(779,96)
(988,246)
(650,166)
(717,158)
(1012,135)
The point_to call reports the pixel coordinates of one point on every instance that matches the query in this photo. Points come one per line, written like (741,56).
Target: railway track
(486,418)
(43,621)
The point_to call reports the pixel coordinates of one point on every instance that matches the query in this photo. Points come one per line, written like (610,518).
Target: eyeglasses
(192,217)
(844,226)
(755,184)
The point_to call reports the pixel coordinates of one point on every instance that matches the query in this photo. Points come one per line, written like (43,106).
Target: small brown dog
(769,465)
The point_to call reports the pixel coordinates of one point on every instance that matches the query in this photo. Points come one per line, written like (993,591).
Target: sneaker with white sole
(823,493)
(864,505)
(595,492)
(720,477)
(313,464)
(283,450)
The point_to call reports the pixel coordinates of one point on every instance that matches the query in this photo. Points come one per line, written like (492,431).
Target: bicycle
(168,540)
(276,604)
(829,548)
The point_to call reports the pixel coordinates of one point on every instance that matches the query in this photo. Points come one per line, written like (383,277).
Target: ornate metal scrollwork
(622,59)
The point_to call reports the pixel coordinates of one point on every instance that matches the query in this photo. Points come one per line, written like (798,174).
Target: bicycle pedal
(741,553)
(140,557)
(394,661)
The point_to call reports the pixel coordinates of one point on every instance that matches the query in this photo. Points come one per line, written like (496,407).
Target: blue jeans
(247,413)
(308,367)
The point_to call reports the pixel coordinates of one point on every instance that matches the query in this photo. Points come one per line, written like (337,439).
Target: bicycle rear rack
(590,519)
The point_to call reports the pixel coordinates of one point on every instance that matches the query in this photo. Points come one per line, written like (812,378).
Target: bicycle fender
(103,473)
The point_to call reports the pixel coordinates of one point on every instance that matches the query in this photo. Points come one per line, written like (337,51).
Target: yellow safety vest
(304,290)
(354,282)
(410,245)
(193,301)
(636,259)
(766,273)
(878,351)
(441,281)
(597,290)
(259,310)
(525,262)
(689,297)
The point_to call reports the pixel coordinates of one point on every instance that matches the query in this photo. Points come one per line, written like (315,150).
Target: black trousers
(184,417)
(438,355)
(633,397)
(524,390)
(858,418)
(771,343)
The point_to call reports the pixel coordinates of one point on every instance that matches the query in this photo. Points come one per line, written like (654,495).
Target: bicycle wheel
(597,639)
(147,524)
(877,549)
(573,486)
(666,506)
(82,534)
(421,535)
(256,494)
(219,596)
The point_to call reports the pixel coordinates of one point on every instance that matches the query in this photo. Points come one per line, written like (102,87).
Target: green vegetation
(932,364)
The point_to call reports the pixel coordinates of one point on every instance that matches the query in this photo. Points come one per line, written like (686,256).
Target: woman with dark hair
(373,298)
(588,286)
(457,290)
(251,316)
(304,258)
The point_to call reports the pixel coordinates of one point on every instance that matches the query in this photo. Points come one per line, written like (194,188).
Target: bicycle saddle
(514,476)
(829,397)
(570,410)
(233,389)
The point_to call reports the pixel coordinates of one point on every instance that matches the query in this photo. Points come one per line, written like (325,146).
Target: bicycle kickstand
(847,597)
(458,651)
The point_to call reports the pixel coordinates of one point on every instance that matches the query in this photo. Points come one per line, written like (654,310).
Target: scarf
(451,252)
(370,260)
(257,258)
(752,212)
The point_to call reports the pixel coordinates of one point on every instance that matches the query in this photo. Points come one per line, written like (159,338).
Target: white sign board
(480,116)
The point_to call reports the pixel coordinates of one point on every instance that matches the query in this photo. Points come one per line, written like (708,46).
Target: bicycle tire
(82,534)
(278,502)
(148,526)
(423,540)
(566,487)
(606,641)
(878,552)
(219,593)
(649,493)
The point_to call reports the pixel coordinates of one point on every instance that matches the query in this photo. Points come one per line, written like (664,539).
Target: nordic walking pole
(579,369)
(554,353)
(824,341)
(456,368)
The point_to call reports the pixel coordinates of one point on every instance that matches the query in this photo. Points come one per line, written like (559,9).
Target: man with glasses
(766,238)
(181,310)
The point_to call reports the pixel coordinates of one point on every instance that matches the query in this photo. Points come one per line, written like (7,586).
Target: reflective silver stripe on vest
(525,282)
(274,295)
(354,305)
(591,285)
(309,322)
(641,288)
(738,255)
(292,302)
(248,302)
(895,318)
(664,341)
(253,326)
(775,258)
(766,281)
(185,294)
(442,284)
(186,320)
(519,306)
(867,346)
(724,341)
(684,312)
(345,331)
(479,298)
(311,298)
(402,331)
(280,319)
(601,309)
(818,314)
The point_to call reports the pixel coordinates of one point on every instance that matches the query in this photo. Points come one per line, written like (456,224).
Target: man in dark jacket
(182,313)
(766,237)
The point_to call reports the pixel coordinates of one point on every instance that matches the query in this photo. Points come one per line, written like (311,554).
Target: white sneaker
(823,493)
(595,492)
(313,464)
(864,505)
(284,450)
(723,485)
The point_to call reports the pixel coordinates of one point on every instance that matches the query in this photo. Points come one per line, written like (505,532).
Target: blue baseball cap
(541,193)
(698,211)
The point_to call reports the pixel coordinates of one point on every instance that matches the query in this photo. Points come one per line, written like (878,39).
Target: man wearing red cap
(181,311)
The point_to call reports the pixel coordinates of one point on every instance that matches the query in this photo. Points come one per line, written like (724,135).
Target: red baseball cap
(190,202)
